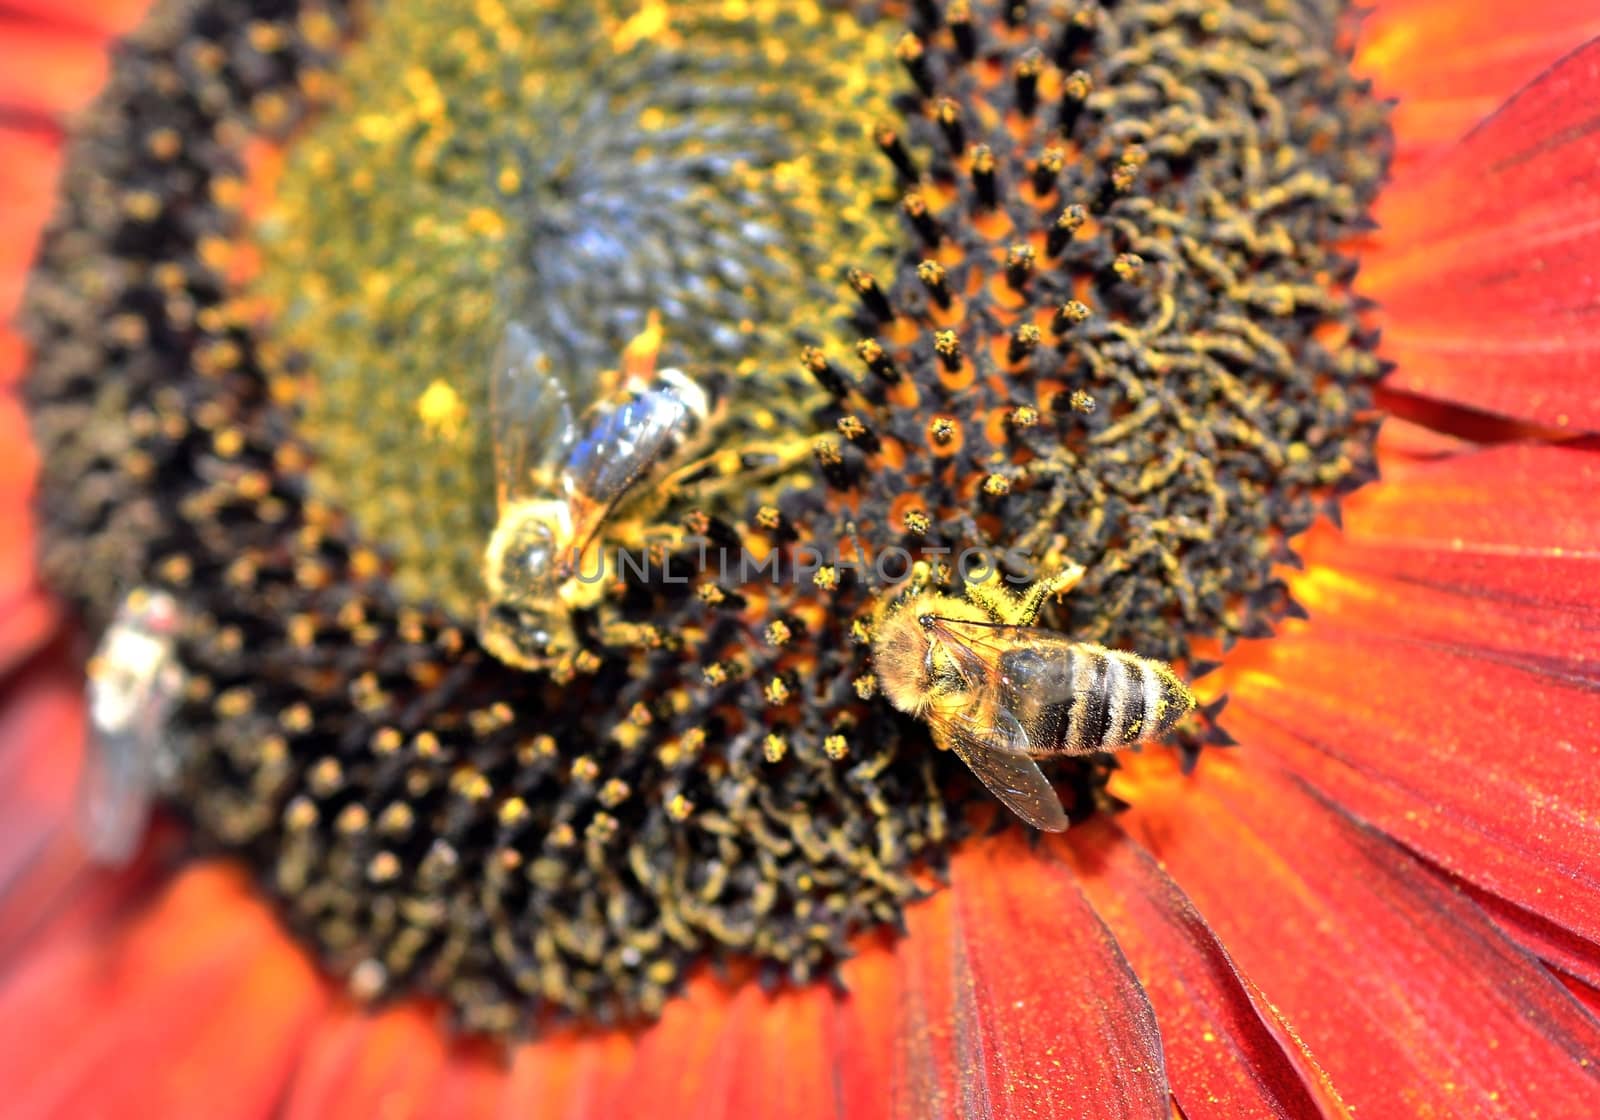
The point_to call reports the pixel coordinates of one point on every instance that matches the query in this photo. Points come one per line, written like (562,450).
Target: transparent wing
(115,791)
(623,441)
(1029,669)
(531,414)
(133,689)
(998,755)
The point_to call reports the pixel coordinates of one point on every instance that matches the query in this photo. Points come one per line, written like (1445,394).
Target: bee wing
(115,791)
(622,441)
(130,696)
(998,755)
(532,422)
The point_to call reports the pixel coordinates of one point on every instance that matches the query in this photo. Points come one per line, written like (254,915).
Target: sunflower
(1379,902)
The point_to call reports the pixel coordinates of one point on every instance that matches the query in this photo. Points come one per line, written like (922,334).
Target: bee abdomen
(1118,699)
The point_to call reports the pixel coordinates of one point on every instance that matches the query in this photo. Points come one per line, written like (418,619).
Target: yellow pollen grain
(649,22)
(679,807)
(425,93)
(486,222)
(442,411)
(645,345)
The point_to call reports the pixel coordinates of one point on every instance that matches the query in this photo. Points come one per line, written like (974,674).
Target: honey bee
(1000,691)
(560,475)
(135,681)
(569,481)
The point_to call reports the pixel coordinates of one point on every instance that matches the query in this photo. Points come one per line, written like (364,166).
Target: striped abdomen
(1078,698)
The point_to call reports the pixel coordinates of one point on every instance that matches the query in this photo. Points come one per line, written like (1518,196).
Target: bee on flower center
(571,483)
(999,691)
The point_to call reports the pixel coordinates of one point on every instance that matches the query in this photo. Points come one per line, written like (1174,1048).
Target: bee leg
(1021,610)
(629,635)
(738,465)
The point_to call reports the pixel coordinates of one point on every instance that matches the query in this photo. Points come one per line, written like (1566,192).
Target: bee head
(527,557)
(909,653)
(531,639)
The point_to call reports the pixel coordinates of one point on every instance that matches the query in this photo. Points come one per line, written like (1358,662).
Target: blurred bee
(569,482)
(560,475)
(135,682)
(999,691)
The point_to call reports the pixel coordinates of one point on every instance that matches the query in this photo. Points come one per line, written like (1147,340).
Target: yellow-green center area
(576,167)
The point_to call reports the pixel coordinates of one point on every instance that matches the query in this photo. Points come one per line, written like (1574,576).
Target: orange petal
(13,355)
(1014,999)
(41,729)
(1452,62)
(1485,268)
(1567,954)
(1407,994)
(1229,1052)
(744,1054)
(27,193)
(197,1007)
(1446,687)
(568,1076)
(358,1065)
(91,18)
(1408,440)
(47,71)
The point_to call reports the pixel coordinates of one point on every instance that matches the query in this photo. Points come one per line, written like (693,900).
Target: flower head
(1100,304)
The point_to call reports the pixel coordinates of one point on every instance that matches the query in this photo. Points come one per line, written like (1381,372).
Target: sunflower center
(578,169)
(1053,286)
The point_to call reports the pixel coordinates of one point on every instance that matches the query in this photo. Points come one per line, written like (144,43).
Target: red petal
(1452,62)
(27,616)
(47,888)
(1445,688)
(1585,994)
(1407,440)
(27,621)
(197,1009)
(1565,952)
(13,355)
(27,193)
(1014,1000)
(358,1065)
(94,18)
(1486,271)
(41,729)
(472,1084)
(726,1057)
(568,1076)
(1410,998)
(47,71)
(1229,1053)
